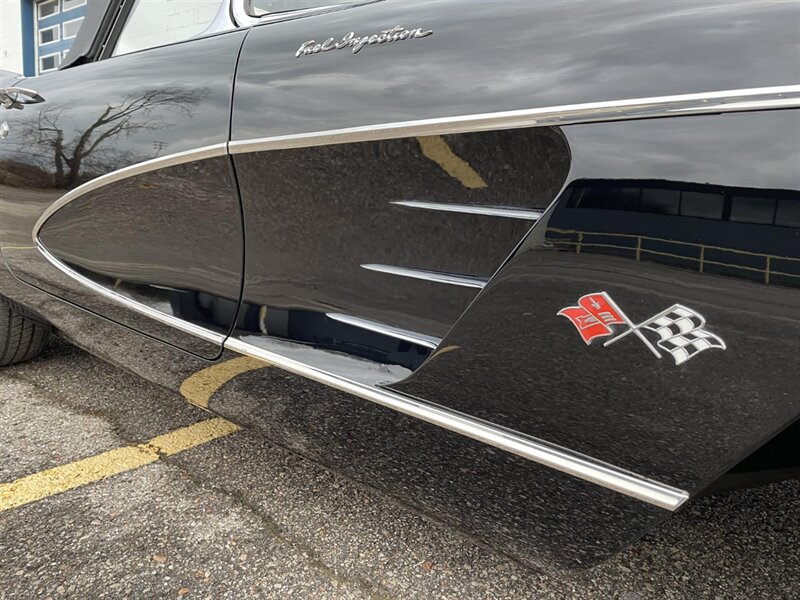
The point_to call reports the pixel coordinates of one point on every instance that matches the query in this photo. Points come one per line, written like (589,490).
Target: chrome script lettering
(351,40)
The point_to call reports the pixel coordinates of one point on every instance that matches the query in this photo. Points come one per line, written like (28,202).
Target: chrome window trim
(244,19)
(222,21)
(767,98)
(539,451)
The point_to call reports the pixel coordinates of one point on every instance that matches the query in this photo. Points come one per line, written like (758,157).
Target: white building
(35,35)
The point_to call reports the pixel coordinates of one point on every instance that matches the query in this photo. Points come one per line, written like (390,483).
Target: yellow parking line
(435,148)
(88,470)
(199,388)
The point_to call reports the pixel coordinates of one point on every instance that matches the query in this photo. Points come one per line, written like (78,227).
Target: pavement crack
(372,590)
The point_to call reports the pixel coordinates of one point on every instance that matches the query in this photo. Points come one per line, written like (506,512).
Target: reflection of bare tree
(132,113)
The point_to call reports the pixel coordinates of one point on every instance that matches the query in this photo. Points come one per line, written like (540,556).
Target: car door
(367,243)
(117,194)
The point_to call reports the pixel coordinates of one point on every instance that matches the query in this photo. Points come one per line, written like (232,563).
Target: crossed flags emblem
(680,329)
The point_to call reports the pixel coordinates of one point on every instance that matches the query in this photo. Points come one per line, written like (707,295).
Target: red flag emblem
(593,315)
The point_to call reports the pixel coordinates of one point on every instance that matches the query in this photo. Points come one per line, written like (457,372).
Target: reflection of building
(740,232)
(35,35)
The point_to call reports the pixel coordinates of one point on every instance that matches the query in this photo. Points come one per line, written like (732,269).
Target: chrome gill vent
(395,332)
(473,209)
(434,276)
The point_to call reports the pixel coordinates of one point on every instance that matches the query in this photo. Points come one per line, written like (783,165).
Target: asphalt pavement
(203,510)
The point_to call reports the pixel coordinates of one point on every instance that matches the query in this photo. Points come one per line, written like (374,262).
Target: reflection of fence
(699,256)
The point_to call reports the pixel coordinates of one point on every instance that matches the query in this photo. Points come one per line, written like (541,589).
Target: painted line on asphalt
(113,462)
(436,149)
(198,388)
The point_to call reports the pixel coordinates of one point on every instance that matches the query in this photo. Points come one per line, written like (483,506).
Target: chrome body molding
(400,334)
(143,167)
(434,276)
(473,209)
(689,104)
(767,98)
(148,311)
(539,451)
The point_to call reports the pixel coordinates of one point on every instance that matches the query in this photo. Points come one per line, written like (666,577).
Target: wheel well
(776,460)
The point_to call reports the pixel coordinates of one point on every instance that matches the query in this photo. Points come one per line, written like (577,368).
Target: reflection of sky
(83,92)
(504,54)
(747,150)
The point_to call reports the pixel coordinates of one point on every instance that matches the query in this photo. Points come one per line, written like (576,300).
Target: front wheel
(22,336)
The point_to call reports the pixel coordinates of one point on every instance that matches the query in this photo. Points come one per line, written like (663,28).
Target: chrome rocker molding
(155,314)
(768,98)
(434,276)
(473,209)
(539,451)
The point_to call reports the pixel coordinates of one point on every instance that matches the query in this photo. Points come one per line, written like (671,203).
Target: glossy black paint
(315,215)
(494,56)
(510,358)
(177,227)
(681,424)
(529,512)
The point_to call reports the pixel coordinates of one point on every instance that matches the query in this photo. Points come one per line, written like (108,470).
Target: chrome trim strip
(434,276)
(547,454)
(395,332)
(156,315)
(143,167)
(137,169)
(766,98)
(473,209)
(245,19)
(222,21)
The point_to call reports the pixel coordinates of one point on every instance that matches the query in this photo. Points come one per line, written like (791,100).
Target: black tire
(22,336)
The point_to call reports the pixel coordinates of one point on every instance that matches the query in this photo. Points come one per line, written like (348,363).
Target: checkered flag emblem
(681,332)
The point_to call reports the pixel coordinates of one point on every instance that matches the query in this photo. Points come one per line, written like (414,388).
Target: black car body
(446,209)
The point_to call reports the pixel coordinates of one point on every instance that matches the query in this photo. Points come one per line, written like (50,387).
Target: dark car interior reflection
(749,233)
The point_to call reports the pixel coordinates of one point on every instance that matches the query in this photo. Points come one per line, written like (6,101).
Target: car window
(154,23)
(257,8)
